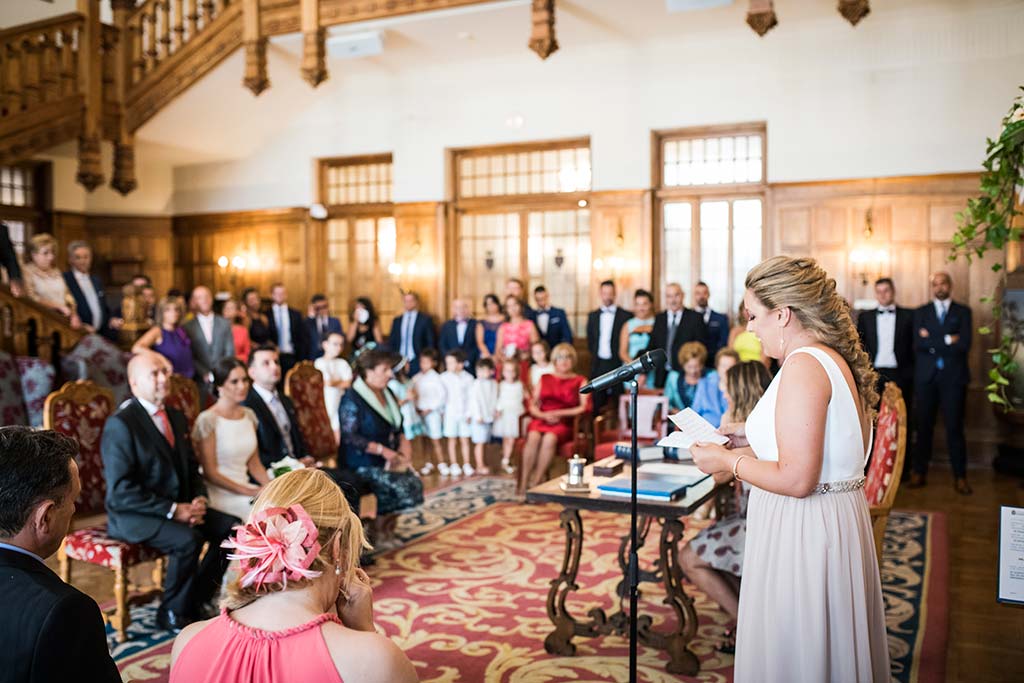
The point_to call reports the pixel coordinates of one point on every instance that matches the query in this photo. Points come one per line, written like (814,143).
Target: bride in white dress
(810,606)
(224,438)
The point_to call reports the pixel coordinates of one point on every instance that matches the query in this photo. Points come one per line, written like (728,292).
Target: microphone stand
(634,561)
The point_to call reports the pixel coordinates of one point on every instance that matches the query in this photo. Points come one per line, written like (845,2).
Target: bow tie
(882,311)
(547,310)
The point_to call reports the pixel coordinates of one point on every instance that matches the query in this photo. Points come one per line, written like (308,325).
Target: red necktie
(168,432)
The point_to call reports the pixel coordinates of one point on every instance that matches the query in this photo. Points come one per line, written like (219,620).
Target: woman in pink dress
(298,609)
(517,335)
(555,406)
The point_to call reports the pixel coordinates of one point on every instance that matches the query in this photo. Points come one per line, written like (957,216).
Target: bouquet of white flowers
(283,466)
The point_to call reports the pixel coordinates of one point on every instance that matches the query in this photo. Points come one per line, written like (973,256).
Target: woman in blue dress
(487,330)
(636,333)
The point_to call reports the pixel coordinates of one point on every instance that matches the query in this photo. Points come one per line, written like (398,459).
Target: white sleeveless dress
(811,601)
(236,442)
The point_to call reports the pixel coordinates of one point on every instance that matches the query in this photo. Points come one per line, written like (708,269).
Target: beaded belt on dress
(840,486)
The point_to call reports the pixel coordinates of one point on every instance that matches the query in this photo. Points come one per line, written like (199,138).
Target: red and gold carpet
(466,600)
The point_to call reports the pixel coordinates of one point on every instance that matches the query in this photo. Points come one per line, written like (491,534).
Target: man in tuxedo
(604,327)
(412,332)
(943,339)
(156,496)
(460,333)
(716,323)
(50,630)
(552,322)
(211,337)
(9,261)
(888,336)
(320,325)
(287,329)
(515,287)
(277,432)
(674,327)
(87,290)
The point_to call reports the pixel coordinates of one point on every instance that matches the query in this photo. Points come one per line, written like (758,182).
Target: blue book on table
(650,488)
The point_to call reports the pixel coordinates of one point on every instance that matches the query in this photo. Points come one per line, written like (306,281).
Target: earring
(337,570)
(782,341)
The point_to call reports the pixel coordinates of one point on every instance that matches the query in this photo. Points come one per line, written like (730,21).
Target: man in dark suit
(156,496)
(288,329)
(941,373)
(320,324)
(277,432)
(212,340)
(460,333)
(888,336)
(50,631)
(604,327)
(412,332)
(552,322)
(717,323)
(9,261)
(87,291)
(515,287)
(674,327)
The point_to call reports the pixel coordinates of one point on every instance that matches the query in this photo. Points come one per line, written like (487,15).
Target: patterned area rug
(465,597)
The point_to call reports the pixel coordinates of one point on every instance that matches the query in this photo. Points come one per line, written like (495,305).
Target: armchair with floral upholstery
(183,395)
(887,454)
(80,410)
(304,384)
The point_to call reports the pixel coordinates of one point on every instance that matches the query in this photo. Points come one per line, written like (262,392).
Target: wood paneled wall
(621,226)
(278,245)
(127,243)
(420,240)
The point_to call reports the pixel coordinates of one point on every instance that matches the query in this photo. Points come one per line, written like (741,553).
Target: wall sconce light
(869,223)
(489,260)
(869,263)
(620,239)
(318,212)
(233,267)
(559,258)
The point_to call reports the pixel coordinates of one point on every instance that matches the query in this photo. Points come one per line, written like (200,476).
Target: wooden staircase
(72,77)
(28,328)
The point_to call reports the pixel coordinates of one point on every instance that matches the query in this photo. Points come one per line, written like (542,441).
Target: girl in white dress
(810,608)
(509,410)
(224,437)
(337,377)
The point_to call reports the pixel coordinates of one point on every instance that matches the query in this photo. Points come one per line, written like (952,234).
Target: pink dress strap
(226,651)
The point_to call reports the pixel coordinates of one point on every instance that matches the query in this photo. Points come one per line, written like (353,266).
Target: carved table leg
(681,659)
(559,641)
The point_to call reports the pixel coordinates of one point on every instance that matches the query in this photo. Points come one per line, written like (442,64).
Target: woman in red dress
(554,406)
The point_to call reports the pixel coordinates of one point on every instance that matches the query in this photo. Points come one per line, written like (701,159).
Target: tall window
(359,232)
(710,194)
(24,202)
(521,211)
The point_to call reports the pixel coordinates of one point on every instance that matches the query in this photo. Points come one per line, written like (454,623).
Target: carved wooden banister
(159,29)
(28,328)
(37,63)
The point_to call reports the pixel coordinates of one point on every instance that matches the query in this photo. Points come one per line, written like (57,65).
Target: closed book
(624,451)
(650,488)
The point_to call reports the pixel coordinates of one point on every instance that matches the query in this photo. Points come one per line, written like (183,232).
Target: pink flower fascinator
(278,545)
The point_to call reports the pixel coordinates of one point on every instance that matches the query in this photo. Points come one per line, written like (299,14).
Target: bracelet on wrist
(735,465)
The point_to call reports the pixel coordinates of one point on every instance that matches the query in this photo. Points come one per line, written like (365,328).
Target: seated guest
(487,329)
(277,433)
(713,559)
(224,437)
(156,496)
(710,401)
(44,283)
(51,631)
(319,325)
(635,335)
(554,406)
(364,326)
(717,323)
(311,622)
(87,291)
(692,357)
(552,322)
(212,339)
(460,333)
(746,343)
(371,443)
(259,324)
(232,312)
(337,376)
(9,261)
(168,338)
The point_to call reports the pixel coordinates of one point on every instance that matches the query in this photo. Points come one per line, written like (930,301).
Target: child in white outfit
(508,411)
(430,395)
(337,377)
(457,384)
(483,401)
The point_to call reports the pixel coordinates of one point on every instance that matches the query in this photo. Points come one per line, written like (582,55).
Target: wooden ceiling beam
(279,17)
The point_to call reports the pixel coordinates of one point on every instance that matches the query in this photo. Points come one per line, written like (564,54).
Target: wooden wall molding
(204,222)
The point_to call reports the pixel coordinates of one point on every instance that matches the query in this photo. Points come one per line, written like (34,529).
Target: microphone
(645,363)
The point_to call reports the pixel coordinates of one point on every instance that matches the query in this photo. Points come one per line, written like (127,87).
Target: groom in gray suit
(211,339)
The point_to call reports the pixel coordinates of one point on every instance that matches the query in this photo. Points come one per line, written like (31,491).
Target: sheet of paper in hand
(692,428)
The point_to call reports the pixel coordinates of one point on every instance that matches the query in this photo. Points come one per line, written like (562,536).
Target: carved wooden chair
(304,384)
(183,395)
(80,410)
(652,424)
(887,454)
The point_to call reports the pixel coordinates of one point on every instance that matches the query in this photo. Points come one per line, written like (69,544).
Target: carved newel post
(761,16)
(124,180)
(314,66)
(255,44)
(90,80)
(542,39)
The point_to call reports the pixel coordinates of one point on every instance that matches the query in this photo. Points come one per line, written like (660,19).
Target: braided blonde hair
(804,287)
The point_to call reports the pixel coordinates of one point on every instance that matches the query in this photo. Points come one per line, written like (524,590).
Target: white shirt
(460,330)
(152,409)
(543,318)
(457,386)
(284,328)
(430,391)
(705,313)
(604,339)
(279,413)
(206,325)
(885,357)
(483,400)
(91,297)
